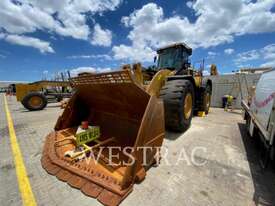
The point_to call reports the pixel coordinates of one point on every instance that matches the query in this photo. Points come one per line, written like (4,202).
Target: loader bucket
(129,120)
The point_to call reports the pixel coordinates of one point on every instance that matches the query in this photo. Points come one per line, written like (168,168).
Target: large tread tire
(174,94)
(27,101)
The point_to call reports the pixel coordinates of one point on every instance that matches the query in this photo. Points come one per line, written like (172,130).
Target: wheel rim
(35,101)
(188,104)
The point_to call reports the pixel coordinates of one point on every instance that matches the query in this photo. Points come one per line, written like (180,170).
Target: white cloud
(76,71)
(206,73)
(269,51)
(43,46)
(2,35)
(101,37)
(212,54)
(92,56)
(189,4)
(269,64)
(64,17)
(266,53)
(2,56)
(134,53)
(229,51)
(101,70)
(248,56)
(217,22)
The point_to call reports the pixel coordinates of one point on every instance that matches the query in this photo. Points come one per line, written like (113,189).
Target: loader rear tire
(34,101)
(178,98)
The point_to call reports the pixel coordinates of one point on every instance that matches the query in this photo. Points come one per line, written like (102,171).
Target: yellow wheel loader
(113,126)
(183,90)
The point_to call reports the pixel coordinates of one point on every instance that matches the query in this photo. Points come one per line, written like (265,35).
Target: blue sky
(41,38)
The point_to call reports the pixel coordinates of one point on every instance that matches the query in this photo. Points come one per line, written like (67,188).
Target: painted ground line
(21,173)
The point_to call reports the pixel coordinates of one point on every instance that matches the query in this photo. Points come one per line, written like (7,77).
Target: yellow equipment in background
(213,70)
(36,95)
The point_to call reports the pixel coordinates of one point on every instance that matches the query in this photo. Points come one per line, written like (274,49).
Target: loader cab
(174,57)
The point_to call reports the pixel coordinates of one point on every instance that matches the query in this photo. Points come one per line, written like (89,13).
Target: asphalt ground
(213,163)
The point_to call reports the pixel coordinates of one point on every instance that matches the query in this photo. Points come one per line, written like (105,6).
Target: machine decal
(265,102)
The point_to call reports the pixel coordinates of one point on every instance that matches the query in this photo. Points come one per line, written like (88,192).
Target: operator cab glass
(173,58)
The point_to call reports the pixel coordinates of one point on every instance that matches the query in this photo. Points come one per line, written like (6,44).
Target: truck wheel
(34,101)
(206,99)
(178,98)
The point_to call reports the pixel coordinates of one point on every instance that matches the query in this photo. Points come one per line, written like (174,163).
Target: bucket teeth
(108,198)
(51,168)
(91,189)
(76,182)
(68,173)
(64,175)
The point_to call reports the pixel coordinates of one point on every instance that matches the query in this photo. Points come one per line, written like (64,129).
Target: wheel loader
(127,110)
(183,90)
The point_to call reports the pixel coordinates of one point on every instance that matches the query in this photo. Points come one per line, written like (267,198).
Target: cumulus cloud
(92,56)
(266,53)
(248,56)
(189,4)
(101,37)
(229,51)
(2,35)
(64,17)
(76,71)
(269,51)
(217,22)
(43,46)
(211,55)
(270,63)
(134,53)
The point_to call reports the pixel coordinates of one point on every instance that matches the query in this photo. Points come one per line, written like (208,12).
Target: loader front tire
(34,101)
(178,98)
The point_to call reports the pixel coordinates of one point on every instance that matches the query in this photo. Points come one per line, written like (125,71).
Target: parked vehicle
(35,96)
(260,115)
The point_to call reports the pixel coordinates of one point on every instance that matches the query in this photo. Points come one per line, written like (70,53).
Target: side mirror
(155,59)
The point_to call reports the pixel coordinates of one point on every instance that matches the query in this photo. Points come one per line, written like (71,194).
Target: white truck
(260,115)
